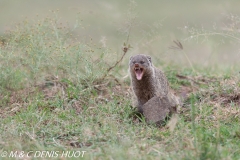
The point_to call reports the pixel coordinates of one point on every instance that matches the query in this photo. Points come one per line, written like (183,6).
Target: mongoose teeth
(137,68)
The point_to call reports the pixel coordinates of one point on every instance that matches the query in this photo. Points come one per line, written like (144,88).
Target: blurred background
(208,30)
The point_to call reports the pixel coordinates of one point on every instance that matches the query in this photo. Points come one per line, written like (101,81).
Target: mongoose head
(139,66)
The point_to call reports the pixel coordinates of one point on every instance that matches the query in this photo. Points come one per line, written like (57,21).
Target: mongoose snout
(138,71)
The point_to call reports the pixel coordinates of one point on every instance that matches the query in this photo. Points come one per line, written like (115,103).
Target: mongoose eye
(142,62)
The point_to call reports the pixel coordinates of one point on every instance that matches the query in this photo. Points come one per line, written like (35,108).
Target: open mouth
(138,72)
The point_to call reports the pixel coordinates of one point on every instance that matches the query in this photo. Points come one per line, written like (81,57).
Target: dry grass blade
(178,46)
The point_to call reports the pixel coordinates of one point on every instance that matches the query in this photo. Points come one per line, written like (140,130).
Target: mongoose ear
(130,59)
(149,58)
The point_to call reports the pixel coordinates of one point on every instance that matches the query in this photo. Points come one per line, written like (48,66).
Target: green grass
(55,97)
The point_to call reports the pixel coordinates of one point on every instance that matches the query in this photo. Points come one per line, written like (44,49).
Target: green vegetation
(58,93)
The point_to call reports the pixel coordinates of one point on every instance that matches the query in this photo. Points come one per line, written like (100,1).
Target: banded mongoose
(151,89)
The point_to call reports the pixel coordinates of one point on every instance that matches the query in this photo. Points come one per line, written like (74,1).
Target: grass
(57,95)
